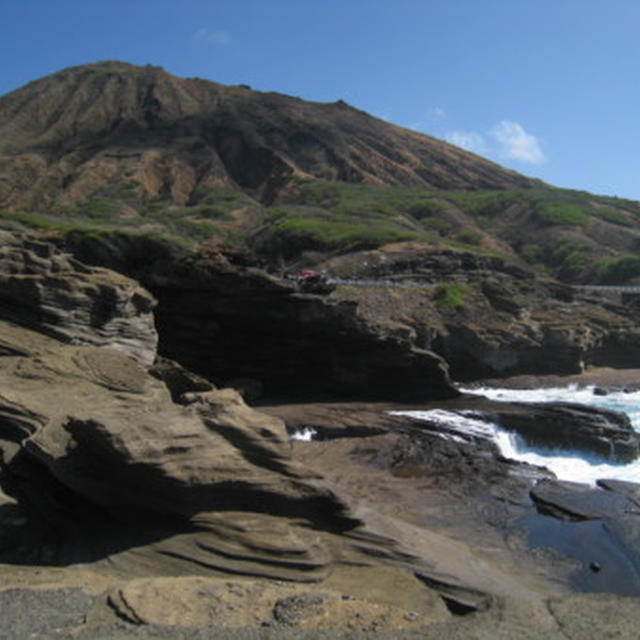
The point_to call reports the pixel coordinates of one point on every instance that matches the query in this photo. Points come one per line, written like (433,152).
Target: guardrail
(608,288)
(398,281)
(382,283)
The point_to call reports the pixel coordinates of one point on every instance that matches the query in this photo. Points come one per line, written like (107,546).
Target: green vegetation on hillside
(290,229)
(559,231)
(451,295)
(616,270)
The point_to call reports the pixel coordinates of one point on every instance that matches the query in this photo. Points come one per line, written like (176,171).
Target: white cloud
(469,140)
(506,139)
(212,36)
(431,116)
(515,143)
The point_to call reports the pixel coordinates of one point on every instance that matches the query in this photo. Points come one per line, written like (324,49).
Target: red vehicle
(311,281)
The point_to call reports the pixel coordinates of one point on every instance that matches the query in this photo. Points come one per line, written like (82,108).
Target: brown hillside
(66,136)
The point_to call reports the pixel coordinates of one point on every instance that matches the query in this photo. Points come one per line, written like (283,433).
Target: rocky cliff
(230,322)
(119,453)
(51,292)
(486,316)
(158,500)
(222,316)
(149,476)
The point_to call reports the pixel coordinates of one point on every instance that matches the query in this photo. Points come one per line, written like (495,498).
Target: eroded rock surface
(163,484)
(49,291)
(87,425)
(200,602)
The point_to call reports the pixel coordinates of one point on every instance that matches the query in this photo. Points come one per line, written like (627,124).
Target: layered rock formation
(159,482)
(51,292)
(94,448)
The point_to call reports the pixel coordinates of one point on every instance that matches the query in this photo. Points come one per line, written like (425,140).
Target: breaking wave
(566,464)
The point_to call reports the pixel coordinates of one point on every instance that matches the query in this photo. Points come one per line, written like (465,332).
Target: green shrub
(486,203)
(196,229)
(613,215)
(424,209)
(469,236)
(33,220)
(99,208)
(571,260)
(617,270)
(442,226)
(549,213)
(451,295)
(331,234)
(532,253)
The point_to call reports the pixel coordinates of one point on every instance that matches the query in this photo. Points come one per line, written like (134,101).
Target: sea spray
(304,434)
(566,464)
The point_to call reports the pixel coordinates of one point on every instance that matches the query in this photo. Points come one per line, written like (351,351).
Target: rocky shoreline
(139,500)
(606,378)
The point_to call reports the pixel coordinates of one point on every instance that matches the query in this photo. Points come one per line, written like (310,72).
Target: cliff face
(64,137)
(228,322)
(486,317)
(164,488)
(103,460)
(44,289)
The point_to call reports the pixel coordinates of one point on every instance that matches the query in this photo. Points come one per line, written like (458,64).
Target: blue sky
(550,88)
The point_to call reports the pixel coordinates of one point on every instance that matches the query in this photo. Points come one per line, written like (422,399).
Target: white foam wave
(619,400)
(307,434)
(456,423)
(566,465)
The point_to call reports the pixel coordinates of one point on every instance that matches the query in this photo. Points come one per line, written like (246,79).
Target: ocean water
(566,464)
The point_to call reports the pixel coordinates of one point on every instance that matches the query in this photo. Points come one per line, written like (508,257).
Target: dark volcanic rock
(227,322)
(631,490)
(567,426)
(605,526)
(574,501)
(504,320)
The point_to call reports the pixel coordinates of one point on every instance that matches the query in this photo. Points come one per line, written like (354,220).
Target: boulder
(573,427)
(575,501)
(178,379)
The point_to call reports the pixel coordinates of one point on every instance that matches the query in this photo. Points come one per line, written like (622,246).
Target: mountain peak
(63,136)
